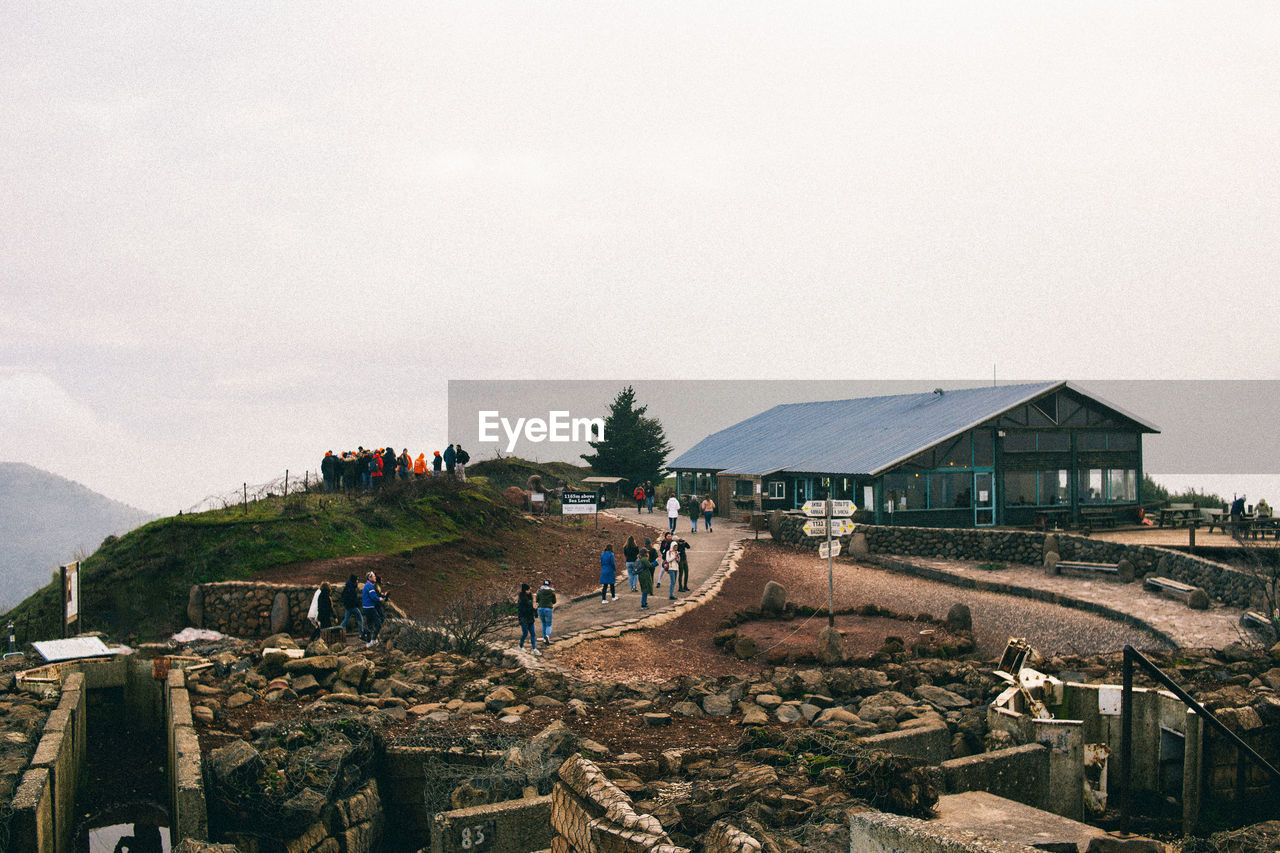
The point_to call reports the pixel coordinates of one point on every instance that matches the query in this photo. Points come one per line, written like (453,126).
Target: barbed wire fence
(288,484)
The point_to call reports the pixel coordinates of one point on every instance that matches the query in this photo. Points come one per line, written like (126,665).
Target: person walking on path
(693,513)
(449,456)
(525,615)
(644,571)
(371,599)
(673,512)
(630,553)
(546,600)
(320,613)
(708,508)
(351,604)
(648,495)
(608,574)
(638,494)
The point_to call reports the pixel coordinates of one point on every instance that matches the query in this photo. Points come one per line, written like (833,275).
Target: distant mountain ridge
(45,520)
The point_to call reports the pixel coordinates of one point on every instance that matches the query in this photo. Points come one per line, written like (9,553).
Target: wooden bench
(1098,516)
(1112,569)
(1193,596)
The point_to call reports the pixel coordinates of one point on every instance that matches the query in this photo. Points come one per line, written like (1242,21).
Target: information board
(577,503)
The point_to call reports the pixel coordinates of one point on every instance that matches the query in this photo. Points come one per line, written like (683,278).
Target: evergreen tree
(633,447)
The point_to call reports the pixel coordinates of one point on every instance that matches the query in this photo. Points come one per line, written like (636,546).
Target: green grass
(138,583)
(514,471)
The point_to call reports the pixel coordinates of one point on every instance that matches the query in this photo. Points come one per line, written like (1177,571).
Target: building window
(1019,488)
(777,490)
(743,488)
(1122,485)
(950,490)
(958,455)
(1055,487)
(906,491)
(1092,486)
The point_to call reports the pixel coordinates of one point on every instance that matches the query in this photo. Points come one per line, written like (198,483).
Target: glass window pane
(957,454)
(1019,442)
(1054,487)
(1053,441)
(1122,441)
(1091,486)
(1019,488)
(950,491)
(905,491)
(983,449)
(1122,485)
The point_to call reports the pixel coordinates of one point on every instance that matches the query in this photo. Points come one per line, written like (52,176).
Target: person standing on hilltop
(450,455)
(328,467)
(389,464)
(435,464)
(350,476)
(375,470)
(546,599)
(460,460)
(420,466)
(404,465)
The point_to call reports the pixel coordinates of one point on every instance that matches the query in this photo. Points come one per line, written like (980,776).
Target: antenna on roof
(939,391)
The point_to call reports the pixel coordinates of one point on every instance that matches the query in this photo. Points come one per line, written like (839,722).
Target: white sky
(235,235)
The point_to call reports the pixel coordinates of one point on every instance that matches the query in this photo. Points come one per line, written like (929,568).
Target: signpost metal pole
(831,585)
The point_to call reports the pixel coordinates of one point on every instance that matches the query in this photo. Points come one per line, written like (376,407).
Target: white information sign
(816,527)
(829,549)
(842,508)
(577,503)
(815,509)
(841,526)
(71,589)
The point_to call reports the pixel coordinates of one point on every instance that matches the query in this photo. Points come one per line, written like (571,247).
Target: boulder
(940,698)
(788,712)
(1051,560)
(279,613)
(858,548)
(959,618)
(1125,570)
(1198,600)
(774,599)
(235,766)
(717,705)
(830,646)
(744,647)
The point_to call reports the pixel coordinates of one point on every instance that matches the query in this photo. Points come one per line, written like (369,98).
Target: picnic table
(1179,515)
(1055,518)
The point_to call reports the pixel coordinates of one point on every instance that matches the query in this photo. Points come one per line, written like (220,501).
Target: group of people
(368,469)
(540,605)
(644,496)
(363,604)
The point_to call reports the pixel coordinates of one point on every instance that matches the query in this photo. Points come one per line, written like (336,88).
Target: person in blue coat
(371,599)
(608,574)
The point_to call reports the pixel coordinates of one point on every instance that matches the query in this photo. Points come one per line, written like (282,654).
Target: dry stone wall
(247,609)
(1220,581)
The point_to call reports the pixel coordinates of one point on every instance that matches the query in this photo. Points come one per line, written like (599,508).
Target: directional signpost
(828,518)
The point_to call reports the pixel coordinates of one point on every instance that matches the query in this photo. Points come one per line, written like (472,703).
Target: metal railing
(1132,656)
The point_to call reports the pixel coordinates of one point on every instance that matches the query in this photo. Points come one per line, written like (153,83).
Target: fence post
(286,482)
(246,498)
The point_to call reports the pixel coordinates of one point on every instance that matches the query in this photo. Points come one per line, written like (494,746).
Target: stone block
(31,829)
(930,743)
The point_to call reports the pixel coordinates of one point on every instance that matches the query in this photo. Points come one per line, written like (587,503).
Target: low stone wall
(246,609)
(1019,773)
(1029,547)
(878,832)
(590,814)
(44,805)
(189,811)
(515,825)
(931,744)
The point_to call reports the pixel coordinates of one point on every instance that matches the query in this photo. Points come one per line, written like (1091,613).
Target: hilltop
(428,538)
(47,520)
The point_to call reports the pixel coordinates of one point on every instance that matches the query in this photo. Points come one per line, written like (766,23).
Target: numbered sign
(476,836)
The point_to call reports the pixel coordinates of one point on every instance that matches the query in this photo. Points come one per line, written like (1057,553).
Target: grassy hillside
(47,520)
(514,471)
(138,583)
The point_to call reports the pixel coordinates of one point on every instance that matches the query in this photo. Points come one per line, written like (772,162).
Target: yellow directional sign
(833,552)
(815,509)
(841,526)
(815,527)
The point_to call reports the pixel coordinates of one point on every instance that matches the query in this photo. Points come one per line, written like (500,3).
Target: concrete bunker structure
(153,695)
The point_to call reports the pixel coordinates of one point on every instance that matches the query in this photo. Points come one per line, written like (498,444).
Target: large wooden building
(1007,455)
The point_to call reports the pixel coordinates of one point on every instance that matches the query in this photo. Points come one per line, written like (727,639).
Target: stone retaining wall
(515,825)
(1019,773)
(44,805)
(247,609)
(189,812)
(590,814)
(1028,547)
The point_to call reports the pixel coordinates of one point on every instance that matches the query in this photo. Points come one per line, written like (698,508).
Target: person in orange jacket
(420,466)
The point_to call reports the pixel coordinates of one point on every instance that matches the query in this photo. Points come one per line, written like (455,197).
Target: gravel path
(1049,628)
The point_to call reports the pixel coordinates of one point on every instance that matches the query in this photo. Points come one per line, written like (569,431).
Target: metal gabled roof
(861,436)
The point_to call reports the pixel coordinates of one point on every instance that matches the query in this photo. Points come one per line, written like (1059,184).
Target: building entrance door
(984,499)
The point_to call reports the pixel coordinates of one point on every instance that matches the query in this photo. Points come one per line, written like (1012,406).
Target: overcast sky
(235,235)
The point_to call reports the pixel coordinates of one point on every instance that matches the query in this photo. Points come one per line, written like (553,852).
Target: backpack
(462,458)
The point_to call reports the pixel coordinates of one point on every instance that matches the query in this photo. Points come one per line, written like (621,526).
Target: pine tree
(634,447)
